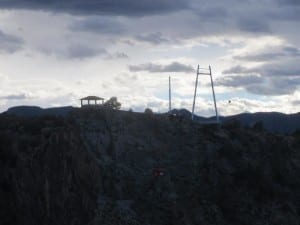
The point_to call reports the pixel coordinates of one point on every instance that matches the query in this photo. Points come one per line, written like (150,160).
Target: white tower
(209,73)
(170,97)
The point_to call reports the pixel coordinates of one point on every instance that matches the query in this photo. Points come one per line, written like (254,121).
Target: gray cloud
(239,81)
(270,54)
(153,38)
(286,13)
(279,86)
(117,55)
(288,2)
(273,78)
(292,51)
(125,79)
(261,86)
(253,25)
(14,97)
(249,17)
(197,18)
(224,17)
(98,25)
(296,102)
(110,7)
(158,68)
(213,13)
(260,57)
(82,52)
(9,43)
(232,16)
(289,68)
(121,55)
(236,70)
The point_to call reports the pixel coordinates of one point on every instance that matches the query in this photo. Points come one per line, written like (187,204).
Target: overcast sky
(54,52)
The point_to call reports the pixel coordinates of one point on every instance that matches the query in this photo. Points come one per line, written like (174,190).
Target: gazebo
(91,101)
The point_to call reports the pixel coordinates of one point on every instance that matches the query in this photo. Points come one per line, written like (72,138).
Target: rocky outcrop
(46,173)
(100,167)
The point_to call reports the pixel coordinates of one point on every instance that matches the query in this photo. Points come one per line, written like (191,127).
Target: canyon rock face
(114,167)
(46,173)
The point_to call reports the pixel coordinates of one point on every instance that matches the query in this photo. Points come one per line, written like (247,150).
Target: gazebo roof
(92,98)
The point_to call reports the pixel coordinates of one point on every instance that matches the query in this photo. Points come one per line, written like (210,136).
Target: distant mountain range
(35,111)
(272,121)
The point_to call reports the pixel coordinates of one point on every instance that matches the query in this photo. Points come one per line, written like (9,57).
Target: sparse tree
(113,103)
(148,111)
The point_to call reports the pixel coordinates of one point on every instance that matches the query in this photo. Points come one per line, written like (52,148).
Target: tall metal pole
(195,93)
(213,90)
(170,101)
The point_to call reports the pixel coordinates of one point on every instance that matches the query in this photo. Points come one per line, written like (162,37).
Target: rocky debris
(98,167)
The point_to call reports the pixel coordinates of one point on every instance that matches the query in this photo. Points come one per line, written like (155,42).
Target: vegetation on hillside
(99,166)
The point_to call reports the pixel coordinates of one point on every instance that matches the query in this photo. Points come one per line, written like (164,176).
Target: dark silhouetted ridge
(34,111)
(102,166)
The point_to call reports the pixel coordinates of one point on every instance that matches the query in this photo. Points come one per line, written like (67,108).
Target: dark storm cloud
(153,38)
(158,68)
(98,25)
(110,7)
(9,43)
(82,52)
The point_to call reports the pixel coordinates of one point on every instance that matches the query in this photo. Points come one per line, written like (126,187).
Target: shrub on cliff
(113,103)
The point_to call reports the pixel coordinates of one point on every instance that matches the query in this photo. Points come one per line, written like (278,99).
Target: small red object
(158,172)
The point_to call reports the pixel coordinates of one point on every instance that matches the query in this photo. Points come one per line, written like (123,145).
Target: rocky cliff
(112,167)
